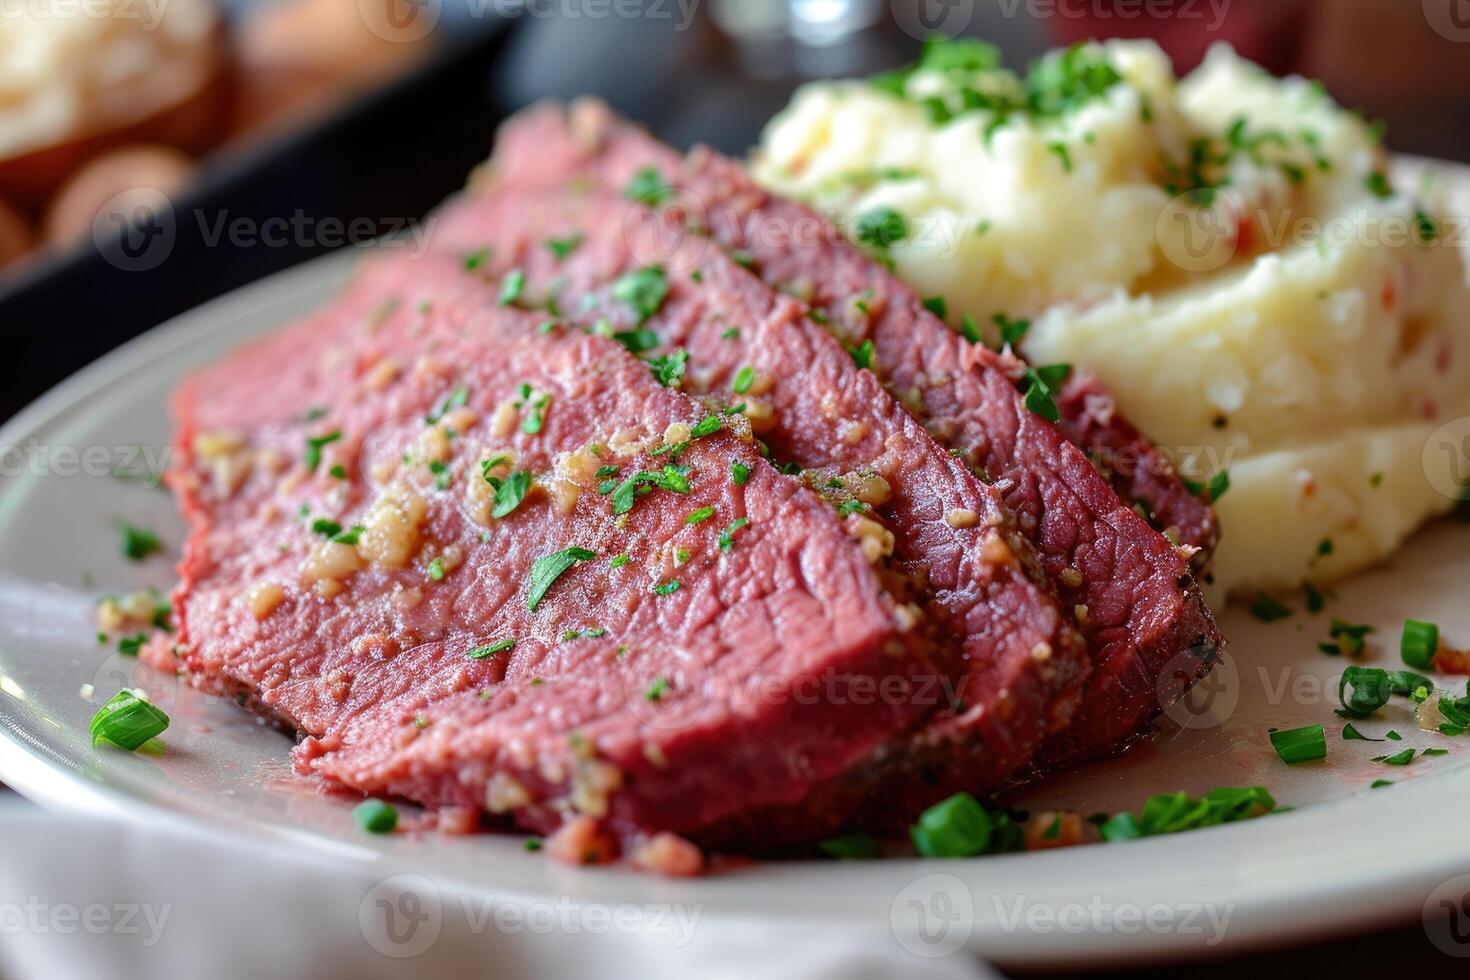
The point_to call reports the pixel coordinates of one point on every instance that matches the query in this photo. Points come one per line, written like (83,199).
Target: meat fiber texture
(416,660)
(1021,662)
(1150,632)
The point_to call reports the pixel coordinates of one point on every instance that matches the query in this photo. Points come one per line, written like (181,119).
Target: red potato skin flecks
(1150,632)
(378,677)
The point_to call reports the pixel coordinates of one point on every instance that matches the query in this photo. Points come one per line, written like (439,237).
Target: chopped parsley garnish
(657,689)
(1348,639)
(511,287)
(937,306)
(667,588)
(326,528)
(606,471)
(700,515)
(129,646)
(314,445)
(1324,547)
(1063,154)
(1300,744)
(549,568)
(338,472)
(443,475)
(618,561)
(1378,185)
(1171,813)
(669,368)
(375,817)
(534,419)
(727,536)
(138,543)
(862,354)
(1316,601)
(1397,759)
(1426,228)
(1212,489)
(591,633)
(436,570)
(490,649)
(1267,609)
(644,290)
(562,247)
(851,507)
(128,722)
(1011,331)
(509,492)
(455,399)
(672,478)
(477,259)
(730,333)
(739,473)
(647,187)
(1419,643)
(970,330)
(637,341)
(744,378)
(1351,734)
(881,228)
(1039,386)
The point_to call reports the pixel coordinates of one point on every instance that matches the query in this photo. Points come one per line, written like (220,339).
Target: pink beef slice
(649,708)
(1134,591)
(1021,661)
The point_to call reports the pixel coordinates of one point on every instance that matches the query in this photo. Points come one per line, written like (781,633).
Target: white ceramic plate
(1346,857)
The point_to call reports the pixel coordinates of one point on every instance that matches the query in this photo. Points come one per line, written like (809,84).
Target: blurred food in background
(101,101)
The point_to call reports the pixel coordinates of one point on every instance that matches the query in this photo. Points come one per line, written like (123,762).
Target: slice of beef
(721,644)
(731,339)
(1134,593)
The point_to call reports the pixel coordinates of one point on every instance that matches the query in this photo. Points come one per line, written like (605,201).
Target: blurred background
(155,154)
(346,119)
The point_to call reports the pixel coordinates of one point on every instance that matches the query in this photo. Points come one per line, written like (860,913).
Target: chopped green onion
(375,817)
(1419,643)
(562,247)
(657,689)
(644,290)
(744,378)
(1267,609)
(1300,744)
(739,473)
(128,722)
(881,228)
(727,536)
(955,827)
(697,516)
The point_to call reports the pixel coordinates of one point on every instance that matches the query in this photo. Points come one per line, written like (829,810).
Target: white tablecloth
(81,897)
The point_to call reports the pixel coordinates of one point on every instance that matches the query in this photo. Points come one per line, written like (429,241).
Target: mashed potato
(1229,253)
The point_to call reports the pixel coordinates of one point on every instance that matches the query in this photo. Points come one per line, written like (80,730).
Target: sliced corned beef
(1133,590)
